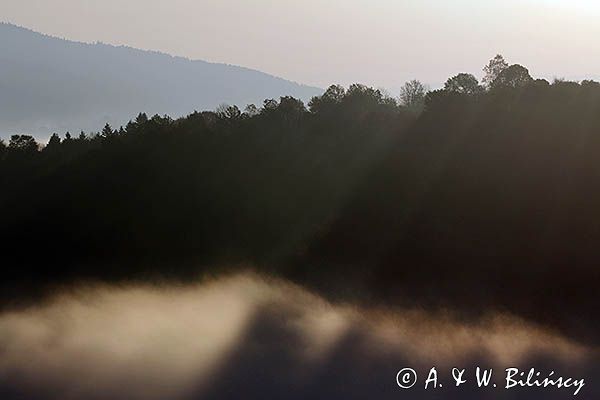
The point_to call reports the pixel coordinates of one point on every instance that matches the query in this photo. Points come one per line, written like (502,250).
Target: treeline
(476,195)
(490,200)
(224,186)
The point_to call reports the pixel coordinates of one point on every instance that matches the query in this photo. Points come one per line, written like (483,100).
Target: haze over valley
(52,85)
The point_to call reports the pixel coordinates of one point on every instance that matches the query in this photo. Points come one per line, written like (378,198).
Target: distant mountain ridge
(49,84)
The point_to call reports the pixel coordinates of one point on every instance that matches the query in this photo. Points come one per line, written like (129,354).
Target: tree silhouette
(22,144)
(142,118)
(269,105)
(291,109)
(107,131)
(590,83)
(514,76)
(251,110)
(463,83)
(332,96)
(493,69)
(3,149)
(227,112)
(412,95)
(53,143)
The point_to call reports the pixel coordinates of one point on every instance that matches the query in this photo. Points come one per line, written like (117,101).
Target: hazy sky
(378,42)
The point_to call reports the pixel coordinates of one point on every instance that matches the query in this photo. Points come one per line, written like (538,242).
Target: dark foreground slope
(484,202)
(52,85)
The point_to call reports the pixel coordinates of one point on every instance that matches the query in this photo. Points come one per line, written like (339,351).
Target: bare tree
(412,95)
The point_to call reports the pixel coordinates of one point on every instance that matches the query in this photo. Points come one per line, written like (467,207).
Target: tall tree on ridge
(412,95)
(493,69)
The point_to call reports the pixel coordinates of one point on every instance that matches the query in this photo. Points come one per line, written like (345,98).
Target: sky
(381,43)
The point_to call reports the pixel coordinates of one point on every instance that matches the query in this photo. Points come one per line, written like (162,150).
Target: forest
(476,196)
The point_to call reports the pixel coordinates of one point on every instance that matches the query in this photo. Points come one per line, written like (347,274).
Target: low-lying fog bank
(245,336)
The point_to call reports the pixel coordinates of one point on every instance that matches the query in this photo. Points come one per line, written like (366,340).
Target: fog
(254,337)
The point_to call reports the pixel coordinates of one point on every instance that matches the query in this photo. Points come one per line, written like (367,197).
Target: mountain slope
(49,84)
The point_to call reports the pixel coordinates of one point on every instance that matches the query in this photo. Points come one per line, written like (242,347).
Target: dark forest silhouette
(473,195)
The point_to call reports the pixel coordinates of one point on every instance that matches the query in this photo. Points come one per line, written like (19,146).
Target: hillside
(475,204)
(49,84)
